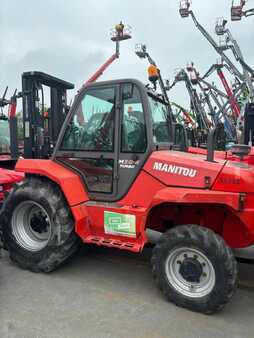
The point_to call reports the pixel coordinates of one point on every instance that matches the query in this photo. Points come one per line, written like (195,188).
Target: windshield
(4,136)
(160,120)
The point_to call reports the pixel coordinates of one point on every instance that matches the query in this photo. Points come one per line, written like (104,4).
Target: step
(114,243)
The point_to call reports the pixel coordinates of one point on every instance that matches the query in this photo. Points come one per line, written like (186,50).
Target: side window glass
(134,138)
(160,121)
(92,126)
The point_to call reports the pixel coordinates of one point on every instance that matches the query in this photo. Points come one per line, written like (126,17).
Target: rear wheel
(195,269)
(38,228)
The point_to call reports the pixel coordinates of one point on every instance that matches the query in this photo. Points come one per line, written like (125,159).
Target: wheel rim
(31,226)
(190,272)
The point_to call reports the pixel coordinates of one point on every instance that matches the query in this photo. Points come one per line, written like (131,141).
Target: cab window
(133,137)
(92,126)
(160,121)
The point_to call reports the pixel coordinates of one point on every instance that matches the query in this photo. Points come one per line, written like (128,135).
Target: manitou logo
(172,169)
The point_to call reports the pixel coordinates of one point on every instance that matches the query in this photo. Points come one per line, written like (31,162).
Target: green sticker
(119,224)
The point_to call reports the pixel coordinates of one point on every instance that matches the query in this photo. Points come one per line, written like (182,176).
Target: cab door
(133,147)
(89,145)
(105,141)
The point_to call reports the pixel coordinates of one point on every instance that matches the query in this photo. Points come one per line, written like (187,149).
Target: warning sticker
(119,224)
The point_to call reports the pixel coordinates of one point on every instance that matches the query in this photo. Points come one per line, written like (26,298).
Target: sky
(70,39)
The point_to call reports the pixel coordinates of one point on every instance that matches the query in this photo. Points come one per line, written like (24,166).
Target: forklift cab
(111,130)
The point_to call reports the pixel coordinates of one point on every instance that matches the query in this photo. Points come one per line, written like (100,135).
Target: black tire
(62,243)
(222,278)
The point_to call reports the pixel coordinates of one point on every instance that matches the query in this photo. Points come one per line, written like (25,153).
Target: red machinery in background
(7,179)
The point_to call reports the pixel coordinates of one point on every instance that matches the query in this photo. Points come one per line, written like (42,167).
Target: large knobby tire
(195,269)
(37,225)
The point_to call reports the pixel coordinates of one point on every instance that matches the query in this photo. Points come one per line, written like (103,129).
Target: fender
(149,193)
(68,181)
(238,226)
(70,184)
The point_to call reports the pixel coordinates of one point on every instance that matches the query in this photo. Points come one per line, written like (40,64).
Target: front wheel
(195,268)
(37,225)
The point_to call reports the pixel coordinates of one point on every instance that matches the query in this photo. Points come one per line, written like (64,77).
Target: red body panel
(69,182)
(97,233)
(236,177)
(183,170)
(191,190)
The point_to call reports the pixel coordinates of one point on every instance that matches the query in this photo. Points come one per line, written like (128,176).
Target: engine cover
(183,169)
